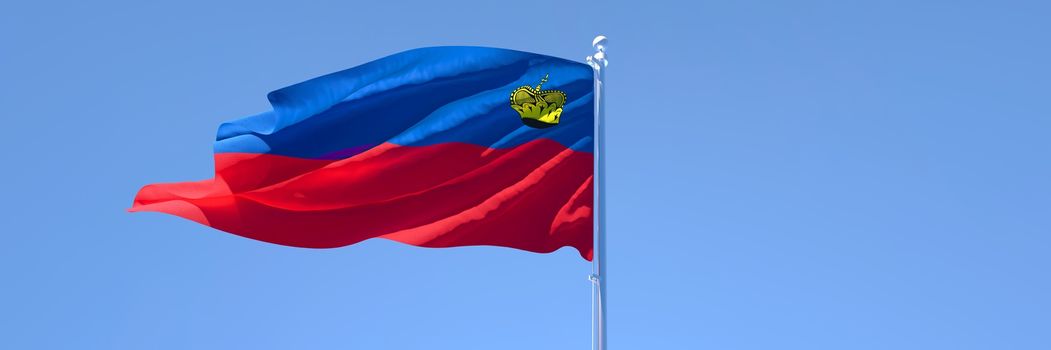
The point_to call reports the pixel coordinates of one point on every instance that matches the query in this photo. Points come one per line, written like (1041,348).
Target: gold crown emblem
(538,108)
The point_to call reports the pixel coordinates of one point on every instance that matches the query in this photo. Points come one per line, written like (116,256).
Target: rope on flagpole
(594,289)
(598,63)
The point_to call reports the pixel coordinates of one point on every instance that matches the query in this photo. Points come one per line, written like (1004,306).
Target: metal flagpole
(598,276)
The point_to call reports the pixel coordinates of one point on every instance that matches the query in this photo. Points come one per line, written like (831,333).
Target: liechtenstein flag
(434,147)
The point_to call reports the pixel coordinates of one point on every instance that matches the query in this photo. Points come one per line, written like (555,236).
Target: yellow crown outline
(538,108)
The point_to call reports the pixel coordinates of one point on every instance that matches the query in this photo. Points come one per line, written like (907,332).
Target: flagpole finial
(598,59)
(599,43)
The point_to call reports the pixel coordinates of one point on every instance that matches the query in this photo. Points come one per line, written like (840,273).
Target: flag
(433,147)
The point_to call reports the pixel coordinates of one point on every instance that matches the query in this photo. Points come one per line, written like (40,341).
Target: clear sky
(813,175)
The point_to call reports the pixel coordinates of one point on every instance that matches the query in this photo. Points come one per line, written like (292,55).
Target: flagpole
(598,63)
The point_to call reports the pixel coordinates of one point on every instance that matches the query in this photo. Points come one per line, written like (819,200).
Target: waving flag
(434,147)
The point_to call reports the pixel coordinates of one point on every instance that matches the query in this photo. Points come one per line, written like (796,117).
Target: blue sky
(813,175)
